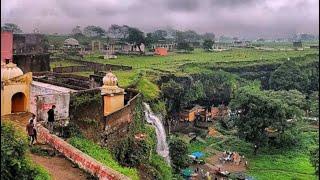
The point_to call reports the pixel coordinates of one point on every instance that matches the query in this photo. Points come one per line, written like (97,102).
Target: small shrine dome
(71,42)
(110,79)
(9,71)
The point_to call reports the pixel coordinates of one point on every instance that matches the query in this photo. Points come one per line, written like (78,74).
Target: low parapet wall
(83,160)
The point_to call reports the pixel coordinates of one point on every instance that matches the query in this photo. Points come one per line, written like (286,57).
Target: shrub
(14,164)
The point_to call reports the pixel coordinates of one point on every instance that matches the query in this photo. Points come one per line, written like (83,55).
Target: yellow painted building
(15,89)
(113,96)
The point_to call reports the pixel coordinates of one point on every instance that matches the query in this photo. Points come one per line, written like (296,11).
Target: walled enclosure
(92,123)
(43,96)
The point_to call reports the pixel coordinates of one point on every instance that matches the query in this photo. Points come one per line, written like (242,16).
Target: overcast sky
(242,18)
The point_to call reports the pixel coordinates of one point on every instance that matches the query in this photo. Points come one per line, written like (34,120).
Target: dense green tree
(11,27)
(207,44)
(131,152)
(159,35)
(94,31)
(194,93)
(178,154)
(288,77)
(172,92)
(218,86)
(296,101)
(184,46)
(76,30)
(313,104)
(258,112)
(136,37)
(119,32)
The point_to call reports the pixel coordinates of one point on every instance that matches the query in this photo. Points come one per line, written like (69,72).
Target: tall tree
(257,113)
(136,37)
(178,154)
(207,44)
(76,30)
(94,31)
(118,32)
(11,27)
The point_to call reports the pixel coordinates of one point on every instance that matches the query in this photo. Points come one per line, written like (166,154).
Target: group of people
(231,157)
(31,127)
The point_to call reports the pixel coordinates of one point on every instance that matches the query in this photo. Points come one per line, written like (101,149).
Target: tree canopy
(207,44)
(288,77)
(94,31)
(259,112)
(11,27)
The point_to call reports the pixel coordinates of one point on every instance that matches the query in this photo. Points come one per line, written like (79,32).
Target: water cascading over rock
(162,146)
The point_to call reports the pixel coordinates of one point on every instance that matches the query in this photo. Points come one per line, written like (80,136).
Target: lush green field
(174,60)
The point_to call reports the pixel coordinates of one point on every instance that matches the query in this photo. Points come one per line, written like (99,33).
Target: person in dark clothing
(255,149)
(51,118)
(30,131)
(33,118)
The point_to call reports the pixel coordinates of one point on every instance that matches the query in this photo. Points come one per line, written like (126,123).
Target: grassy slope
(102,155)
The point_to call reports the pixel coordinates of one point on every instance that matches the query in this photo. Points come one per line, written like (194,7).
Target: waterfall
(162,146)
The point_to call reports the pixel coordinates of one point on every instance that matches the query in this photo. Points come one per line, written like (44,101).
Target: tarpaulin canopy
(187,172)
(198,154)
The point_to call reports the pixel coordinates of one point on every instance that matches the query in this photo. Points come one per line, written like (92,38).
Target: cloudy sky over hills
(246,18)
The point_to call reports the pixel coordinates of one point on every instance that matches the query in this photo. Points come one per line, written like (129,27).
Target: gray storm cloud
(245,18)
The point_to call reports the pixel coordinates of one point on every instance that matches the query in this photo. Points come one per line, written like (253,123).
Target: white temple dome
(71,42)
(110,79)
(9,71)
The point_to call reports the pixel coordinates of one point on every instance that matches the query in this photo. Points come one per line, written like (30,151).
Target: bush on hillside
(14,164)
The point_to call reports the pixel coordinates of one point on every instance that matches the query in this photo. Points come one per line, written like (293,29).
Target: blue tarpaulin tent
(198,154)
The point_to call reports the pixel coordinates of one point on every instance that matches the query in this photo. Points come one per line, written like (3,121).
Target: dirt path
(59,167)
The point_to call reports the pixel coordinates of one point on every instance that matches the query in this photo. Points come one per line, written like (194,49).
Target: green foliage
(131,152)
(11,27)
(159,107)
(207,44)
(184,46)
(78,101)
(161,165)
(295,101)
(149,90)
(93,31)
(289,77)
(314,158)
(313,103)
(218,86)
(178,153)
(102,155)
(14,164)
(258,112)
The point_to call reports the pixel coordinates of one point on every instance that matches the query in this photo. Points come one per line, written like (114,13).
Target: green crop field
(174,60)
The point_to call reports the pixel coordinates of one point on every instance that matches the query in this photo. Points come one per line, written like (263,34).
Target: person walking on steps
(30,130)
(33,118)
(51,118)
